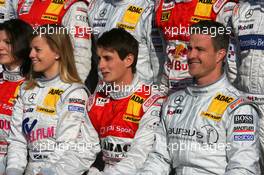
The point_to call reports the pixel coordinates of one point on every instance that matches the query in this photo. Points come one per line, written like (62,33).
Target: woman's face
(6,57)
(44,60)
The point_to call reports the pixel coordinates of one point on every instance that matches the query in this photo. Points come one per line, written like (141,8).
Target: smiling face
(205,63)
(44,59)
(113,69)
(6,57)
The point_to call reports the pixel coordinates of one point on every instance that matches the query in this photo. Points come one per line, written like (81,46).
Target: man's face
(202,57)
(113,69)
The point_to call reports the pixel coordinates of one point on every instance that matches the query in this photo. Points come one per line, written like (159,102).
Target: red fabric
(108,119)
(34,14)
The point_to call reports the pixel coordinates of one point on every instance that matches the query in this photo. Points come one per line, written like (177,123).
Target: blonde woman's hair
(59,41)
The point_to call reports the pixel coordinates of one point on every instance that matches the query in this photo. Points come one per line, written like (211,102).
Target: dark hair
(122,42)
(19,34)
(218,32)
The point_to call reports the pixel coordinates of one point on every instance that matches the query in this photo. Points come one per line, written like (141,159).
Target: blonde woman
(49,124)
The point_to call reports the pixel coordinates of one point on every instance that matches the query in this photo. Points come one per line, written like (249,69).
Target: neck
(209,79)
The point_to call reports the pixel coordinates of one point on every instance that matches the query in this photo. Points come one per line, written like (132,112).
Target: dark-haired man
(123,110)
(208,128)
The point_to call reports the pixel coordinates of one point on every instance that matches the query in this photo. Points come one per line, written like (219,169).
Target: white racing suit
(50,131)
(247,70)
(136,17)
(206,130)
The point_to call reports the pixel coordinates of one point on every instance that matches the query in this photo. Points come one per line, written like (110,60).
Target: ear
(221,54)
(129,60)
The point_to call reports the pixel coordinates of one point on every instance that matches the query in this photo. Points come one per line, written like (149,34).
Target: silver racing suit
(208,130)
(247,70)
(50,131)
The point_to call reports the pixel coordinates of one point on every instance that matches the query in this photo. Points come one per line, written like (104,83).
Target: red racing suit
(70,13)
(9,85)
(174,18)
(125,122)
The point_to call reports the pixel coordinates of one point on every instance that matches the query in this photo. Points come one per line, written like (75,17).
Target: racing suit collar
(44,82)
(127,90)
(13,75)
(204,90)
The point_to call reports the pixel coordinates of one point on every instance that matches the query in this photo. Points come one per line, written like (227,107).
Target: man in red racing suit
(123,110)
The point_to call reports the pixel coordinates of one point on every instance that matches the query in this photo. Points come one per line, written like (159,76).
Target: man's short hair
(122,42)
(219,33)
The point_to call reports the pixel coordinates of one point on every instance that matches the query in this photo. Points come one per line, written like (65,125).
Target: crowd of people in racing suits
(128,122)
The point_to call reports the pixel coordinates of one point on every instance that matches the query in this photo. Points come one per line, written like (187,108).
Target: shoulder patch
(238,102)
(150,101)
(219,104)
(218,5)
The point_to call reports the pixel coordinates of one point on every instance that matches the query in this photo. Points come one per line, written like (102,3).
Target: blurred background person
(247,70)
(6,13)
(14,56)
(50,131)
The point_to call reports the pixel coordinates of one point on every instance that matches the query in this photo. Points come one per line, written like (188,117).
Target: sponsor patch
(131,118)
(217,107)
(50,18)
(245,27)
(251,42)
(131,18)
(82,18)
(76,108)
(239,119)
(52,97)
(28,110)
(55,7)
(101,101)
(134,105)
(244,137)
(244,129)
(46,110)
(165,15)
(77,101)
(204,8)
(2,2)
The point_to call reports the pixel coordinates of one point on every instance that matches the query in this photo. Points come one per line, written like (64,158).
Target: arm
(76,20)
(77,141)
(141,145)
(243,142)
(158,161)
(17,148)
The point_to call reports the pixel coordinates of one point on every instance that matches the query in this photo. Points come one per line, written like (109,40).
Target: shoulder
(75,90)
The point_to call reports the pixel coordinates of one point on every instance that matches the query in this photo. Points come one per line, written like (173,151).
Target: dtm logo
(27,128)
(244,137)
